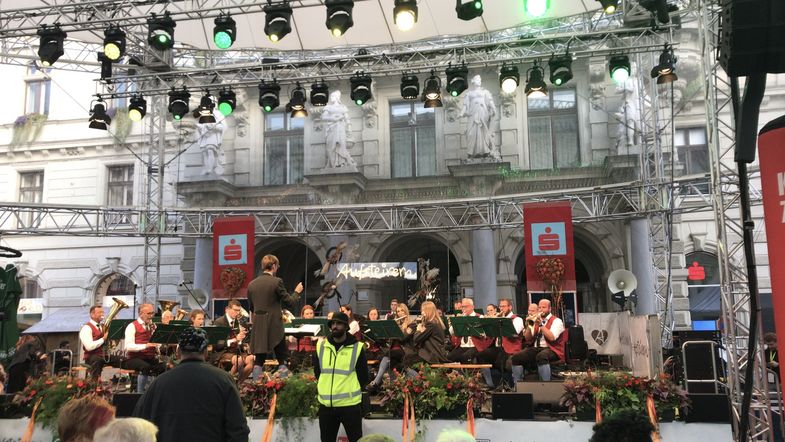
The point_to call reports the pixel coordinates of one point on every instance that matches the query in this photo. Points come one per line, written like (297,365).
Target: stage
(307,430)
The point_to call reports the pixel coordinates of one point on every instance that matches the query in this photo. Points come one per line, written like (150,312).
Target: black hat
(339,317)
(193,340)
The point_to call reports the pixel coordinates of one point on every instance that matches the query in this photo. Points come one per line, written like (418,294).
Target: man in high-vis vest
(342,373)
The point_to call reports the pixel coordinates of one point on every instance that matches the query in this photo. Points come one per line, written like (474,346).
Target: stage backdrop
(233,256)
(548,234)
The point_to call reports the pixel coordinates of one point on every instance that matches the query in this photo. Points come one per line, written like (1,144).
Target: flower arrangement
(296,396)
(551,270)
(435,391)
(232,279)
(54,392)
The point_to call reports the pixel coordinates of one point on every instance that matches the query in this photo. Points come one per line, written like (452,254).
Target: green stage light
(160,31)
(224,31)
(537,8)
(619,67)
(227,102)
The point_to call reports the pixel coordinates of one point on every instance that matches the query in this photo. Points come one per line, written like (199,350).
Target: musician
(234,353)
(457,307)
(167,316)
(469,346)
(373,314)
(305,345)
(266,293)
(491,311)
(374,349)
(393,308)
(142,354)
(92,336)
(428,338)
(547,334)
(397,347)
(196,318)
(499,354)
(354,322)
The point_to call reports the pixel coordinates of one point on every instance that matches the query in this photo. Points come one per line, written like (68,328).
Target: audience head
(375,438)
(454,435)
(193,343)
(132,429)
(770,339)
(307,312)
(623,426)
(79,418)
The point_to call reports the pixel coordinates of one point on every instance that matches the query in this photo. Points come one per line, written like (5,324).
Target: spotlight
(536,8)
(320,93)
(297,102)
(98,117)
(664,72)
(227,101)
(535,85)
(268,95)
(224,32)
(160,31)
(405,14)
(50,46)
(509,78)
(432,91)
(277,21)
(138,108)
(470,10)
(660,8)
(360,88)
(204,113)
(114,43)
(609,6)
(339,16)
(561,69)
(106,67)
(457,79)
(619,67)
(178,102)
(410,87)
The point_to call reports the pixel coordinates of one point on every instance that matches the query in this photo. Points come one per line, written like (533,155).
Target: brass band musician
(196,318)
(428,338)
(397,347)
(235,353)
(93,336)
(548,337)
(505,347)
(142,354)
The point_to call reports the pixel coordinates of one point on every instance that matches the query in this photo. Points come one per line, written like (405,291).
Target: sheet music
(311,329)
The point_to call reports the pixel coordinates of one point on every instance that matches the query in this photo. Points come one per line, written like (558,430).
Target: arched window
(115,284)
(703,284)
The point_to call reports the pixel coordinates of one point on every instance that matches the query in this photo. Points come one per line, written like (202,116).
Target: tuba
(168,305)
(113,311)
(181,314)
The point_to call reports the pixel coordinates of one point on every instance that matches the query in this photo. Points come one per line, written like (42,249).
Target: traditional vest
(512,345)
(306,344)
(142,337)
(481,343)
(338,385)
(96,336)
(556,346)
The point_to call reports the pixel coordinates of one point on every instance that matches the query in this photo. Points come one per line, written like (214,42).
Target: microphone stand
(184,284)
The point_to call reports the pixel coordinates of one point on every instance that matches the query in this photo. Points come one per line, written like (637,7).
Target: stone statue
(479,108)
(628,116)
(336,133)
(210,138)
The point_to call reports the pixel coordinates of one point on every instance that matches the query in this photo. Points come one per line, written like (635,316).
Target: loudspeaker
(548,393)
(125,403)
(702,363)
(512,406)
(709,408)
(751,37)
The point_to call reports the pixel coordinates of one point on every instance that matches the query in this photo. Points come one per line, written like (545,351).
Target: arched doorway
(298,264)
(115,285)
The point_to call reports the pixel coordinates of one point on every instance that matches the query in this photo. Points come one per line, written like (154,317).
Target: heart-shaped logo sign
(599,336)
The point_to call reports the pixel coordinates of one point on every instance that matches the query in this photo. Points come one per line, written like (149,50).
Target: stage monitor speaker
(547,393)
(708,408)
(702,367)
(125,403)
(512,406)
(752,36)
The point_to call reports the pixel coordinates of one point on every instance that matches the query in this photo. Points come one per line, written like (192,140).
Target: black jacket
(361,368)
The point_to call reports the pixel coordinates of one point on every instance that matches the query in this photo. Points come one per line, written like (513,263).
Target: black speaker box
(702,362)
(752,36)
(125,403)
(512,406)
(708,408)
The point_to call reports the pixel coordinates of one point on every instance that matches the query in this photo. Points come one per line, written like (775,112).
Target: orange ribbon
(597,410)
(268,430)
(470,417)
(655,436)
(409,428)
(28,436)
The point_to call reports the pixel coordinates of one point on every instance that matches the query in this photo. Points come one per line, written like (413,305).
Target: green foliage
(297,398)
(27,128)
(54,392)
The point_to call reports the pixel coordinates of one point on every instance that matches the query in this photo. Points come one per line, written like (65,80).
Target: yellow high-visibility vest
(338,385)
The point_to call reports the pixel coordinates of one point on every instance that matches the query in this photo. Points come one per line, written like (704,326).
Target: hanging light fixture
(664,71)
(137,108)
(405,14)
(619,68)
(457,79)
(225,31)
(297,102)
(468,10)
(360,88)
(561,69)
(178,102)
(509,78)
(320,93)
(98,117)
(609,6)
(536,8)
(227,101)
(339,16)
(160,31)
(268,95)
(410,87)
(277,21)
(535,85)
(204,113)
(432,91)
(50,45)
(114,43)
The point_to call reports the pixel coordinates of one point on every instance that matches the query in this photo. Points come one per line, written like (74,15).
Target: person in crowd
(505,347)
(354,322)
(376,438)
(234,354)
(454,435)
(93,336)
(167,316)
(428,338)
(623,426)
(397,347)
(196,318)
(265,294)
(376,350)
(142,354)
(771,354)
(491,311)
(548,337)
(195,400)
(341,370)
(78,419)
(393,309)
(3,379)
(131,429)
(27,360)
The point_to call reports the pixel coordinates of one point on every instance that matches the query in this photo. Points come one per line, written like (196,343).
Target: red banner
(550,254)
(233,257)
(771,147)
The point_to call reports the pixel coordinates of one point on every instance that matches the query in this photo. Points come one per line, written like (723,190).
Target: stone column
(483,268)
(642,266)
(203,266)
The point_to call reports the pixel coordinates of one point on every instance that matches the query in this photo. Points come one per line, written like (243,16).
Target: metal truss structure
(735,292)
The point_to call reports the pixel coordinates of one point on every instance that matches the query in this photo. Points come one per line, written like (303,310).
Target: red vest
(481,343)
(306,343)
(512,345)
(557,346)
(142,337)
(96,336)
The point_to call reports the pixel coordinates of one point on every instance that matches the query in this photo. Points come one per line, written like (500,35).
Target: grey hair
(454,435)
(132,429)
(376,438)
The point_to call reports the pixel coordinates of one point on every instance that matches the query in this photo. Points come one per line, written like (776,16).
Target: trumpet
(532,319)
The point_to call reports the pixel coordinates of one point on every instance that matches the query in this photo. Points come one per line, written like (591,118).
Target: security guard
(341,369)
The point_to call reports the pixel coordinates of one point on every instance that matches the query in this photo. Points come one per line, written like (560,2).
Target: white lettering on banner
(378,270)
(782,203)
(781,183)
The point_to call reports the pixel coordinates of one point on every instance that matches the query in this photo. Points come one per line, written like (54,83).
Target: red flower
(32,393)
(449,385)
(49,382)
(417,390)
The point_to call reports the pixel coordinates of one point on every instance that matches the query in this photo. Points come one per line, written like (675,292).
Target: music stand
(499,328)
(384,329)
(463,326)
(321,322)
(117,329)
(167,334)
(185,323)
(216,335)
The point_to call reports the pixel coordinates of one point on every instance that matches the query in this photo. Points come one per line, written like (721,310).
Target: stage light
(561,69)
(178,102)
(50,46)
(106,67)
(277,21)
(664,72)
(457,79)
(659,8)
(360,88)
(470,10)
(536,8)
(509,78)
(114,43)
(160,31)
(138,108)
(227,101)
(432,91)
(204,113)
(619,68)
(405,14)
(410,87)
(268,95)
(609,6)
(98,117)
(320,93)
(297,102)
(224,32)
(339,16)
(535,85)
